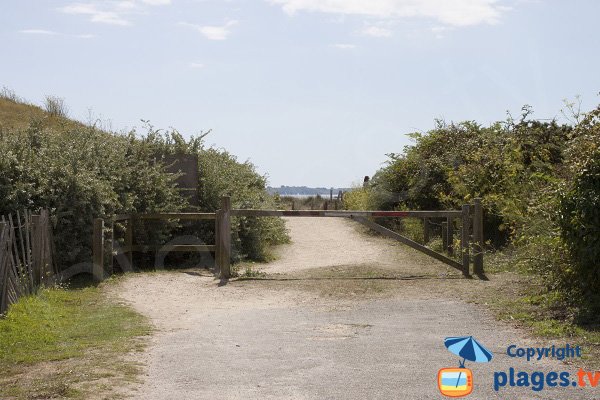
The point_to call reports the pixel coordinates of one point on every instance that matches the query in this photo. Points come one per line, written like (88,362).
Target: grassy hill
(18,114)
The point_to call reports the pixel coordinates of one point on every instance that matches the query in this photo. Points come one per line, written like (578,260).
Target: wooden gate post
(129,241)
(464,238)
(450,236)
(217,240)
(444,236)
(477,237)
(98,249)
(225,238)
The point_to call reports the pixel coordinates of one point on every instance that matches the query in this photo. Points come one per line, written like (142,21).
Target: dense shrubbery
(80,172)
(221,174)
(580,209)
(539,182)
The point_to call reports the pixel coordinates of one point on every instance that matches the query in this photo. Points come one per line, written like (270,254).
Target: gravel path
(339,316)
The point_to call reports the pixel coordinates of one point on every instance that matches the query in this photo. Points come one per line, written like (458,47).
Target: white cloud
(54,33)
(196,65)
(112,12)
(376,31)
(218,32)
(38,32)
(112,17)
(157,2)
(447,12)
(344,46)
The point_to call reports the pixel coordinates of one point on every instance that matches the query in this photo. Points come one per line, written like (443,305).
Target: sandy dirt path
(340,315)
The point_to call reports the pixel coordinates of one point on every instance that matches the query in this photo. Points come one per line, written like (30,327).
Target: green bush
(221,174)
(580,209)
(80,173)
(540,186)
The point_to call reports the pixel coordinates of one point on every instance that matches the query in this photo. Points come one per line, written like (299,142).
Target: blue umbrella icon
(469,349)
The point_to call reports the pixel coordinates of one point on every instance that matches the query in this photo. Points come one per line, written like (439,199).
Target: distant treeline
(540,185)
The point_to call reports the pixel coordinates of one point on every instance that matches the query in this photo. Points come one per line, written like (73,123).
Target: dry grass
(17,115)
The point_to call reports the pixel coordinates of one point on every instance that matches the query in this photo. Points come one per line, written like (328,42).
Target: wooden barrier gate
(470,217)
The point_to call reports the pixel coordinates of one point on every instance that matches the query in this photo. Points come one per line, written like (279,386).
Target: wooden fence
(26,255)
(469,220)
(124,253)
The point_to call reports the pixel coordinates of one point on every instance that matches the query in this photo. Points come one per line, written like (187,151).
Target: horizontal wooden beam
(177,247)
(189,216)
(344,214)
(411,243)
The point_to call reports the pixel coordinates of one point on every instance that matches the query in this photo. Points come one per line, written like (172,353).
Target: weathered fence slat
(98,249)
(26,255)
(32,271)
(4,250)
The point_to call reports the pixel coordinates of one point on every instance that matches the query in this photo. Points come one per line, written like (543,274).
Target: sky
(312,92)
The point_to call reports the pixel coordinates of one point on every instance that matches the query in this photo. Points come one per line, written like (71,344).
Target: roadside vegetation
(81,172)
(74,342)
(69,343)
(540,185)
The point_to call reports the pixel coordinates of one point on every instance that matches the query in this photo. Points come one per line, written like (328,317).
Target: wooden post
(111,263)
(444,236)
(36,249)
(4,247)
(464,238)
(225,237)
(450,236)
(129,242)
(217,239)
(98,249)
(45,248)
(477,237)
(426,230)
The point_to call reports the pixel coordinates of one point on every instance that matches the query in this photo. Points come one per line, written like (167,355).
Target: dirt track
(340,315)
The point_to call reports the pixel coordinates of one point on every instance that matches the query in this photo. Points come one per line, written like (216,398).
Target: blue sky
(313,92)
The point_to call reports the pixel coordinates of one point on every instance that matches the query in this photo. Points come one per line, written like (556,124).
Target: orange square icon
(455,382)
